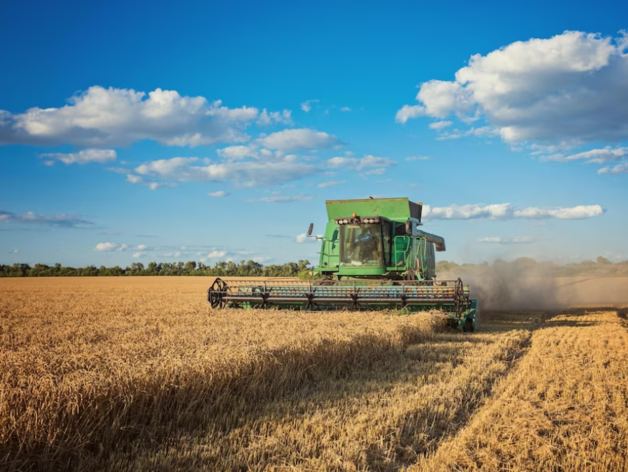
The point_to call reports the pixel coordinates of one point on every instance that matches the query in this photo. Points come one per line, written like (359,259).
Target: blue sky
(216,130)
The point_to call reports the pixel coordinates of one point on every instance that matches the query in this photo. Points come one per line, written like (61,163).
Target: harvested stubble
(92,366)
(564,408)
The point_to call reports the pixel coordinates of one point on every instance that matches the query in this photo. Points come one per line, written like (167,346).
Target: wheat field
(139,374)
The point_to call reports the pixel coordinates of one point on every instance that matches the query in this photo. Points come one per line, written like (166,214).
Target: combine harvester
(373,257)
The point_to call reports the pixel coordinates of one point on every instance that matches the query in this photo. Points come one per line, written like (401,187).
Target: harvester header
(373,256)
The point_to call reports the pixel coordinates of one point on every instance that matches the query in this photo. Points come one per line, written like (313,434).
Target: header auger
(373,257)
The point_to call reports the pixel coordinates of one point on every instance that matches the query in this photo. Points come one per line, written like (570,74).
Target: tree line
(220,269)
(601,267)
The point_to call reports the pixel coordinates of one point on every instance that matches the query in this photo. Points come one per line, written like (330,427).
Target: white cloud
(266,118)
(417,158)
(513,240)
(268,171)
(331,183)
(171,255)
(618,169)
(110,247)
(153,185)
(238,152)
(440,125)
(365,162)
(142,247)
(506,211)
(571,87)
(408,112)
(345,109)
(577,212)
(14,251)
(82,157)
(62,220)
(306,106)
(597,156)
(299,139)
(218,194)
(282,199)
(138,255)
(216,254)
(114,117)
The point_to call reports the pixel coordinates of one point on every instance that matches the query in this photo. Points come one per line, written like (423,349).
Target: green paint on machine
(373,256)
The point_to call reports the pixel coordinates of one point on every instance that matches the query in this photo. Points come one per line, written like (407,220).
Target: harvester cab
(377,239)
(373,256)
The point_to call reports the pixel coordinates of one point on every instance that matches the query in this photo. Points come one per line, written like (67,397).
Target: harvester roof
(396,209)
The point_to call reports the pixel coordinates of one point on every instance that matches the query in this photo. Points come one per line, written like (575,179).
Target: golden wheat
(138,374)
(88,366)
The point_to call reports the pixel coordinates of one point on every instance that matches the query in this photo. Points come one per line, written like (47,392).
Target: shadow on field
(253,420)
(292,386)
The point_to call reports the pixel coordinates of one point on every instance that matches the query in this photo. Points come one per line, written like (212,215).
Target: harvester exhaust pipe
(439,242)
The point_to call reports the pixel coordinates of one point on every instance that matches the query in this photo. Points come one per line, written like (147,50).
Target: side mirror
(409,227)
(310,229)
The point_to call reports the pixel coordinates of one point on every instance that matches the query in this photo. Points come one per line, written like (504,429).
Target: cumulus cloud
(506,211)
(345,109)
(306,106)
(238,152)
(513,240)
(299,139)
(82,157)
(114,117)
(218,194)
(138,255)
(618,169)
(572,87)
(440,125)
(359,164)
(408,112)
(331,183)
(62,220)
(111,247)
(269,171)
(216,254)
(266,118)
(142,247)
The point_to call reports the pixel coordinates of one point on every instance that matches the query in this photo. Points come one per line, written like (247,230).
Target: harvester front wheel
(215,294)
(469,327)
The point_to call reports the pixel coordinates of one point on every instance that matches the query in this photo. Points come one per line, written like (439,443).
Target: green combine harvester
(373,257)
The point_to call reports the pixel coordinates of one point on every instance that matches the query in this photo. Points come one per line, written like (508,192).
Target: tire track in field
(564,407)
